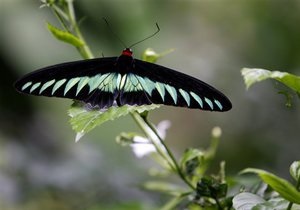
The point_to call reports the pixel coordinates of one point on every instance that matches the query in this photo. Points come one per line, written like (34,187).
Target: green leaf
(283,187)
(195,162)
(171,204)
(191,160)
(276,203)
(65,36)
(246,201)
(252,76)
(84,120)
(295,170)
(249,201)
(210,187)
(164,187)
(196,206)
(151,56)
(190,154)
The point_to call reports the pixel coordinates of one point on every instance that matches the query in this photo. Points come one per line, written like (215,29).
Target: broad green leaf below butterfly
(117,81)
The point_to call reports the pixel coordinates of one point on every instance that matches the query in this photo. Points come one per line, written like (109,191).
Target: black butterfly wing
(103,81)
(86,80)
(150,83)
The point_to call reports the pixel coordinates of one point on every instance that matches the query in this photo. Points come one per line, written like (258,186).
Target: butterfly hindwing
(132,90)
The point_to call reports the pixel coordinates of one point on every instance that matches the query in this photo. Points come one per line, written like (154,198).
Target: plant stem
(141,123)
(218,204)
(84,50)
(177,168)
(290,206)
(60,18)
(70,17)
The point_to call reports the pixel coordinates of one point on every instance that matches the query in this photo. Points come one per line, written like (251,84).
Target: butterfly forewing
(76,80)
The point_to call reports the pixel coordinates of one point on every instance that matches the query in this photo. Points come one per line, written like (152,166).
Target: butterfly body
(104,82)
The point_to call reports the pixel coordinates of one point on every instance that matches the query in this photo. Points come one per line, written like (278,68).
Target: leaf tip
(79,135)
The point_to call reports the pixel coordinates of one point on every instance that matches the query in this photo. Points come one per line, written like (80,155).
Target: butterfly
(117,81)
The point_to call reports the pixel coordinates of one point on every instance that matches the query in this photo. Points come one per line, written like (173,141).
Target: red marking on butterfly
(127,52)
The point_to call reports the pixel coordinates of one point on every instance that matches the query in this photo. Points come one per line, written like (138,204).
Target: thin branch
(84,50)
(141,123)
(178,169)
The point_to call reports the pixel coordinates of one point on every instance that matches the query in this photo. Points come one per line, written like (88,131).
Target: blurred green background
(41,167)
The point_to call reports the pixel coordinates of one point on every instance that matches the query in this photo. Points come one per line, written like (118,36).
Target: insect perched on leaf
(123,80)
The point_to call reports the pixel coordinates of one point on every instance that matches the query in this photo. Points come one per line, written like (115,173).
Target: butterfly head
(127,52)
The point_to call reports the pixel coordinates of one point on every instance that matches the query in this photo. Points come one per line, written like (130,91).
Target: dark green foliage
(210,187)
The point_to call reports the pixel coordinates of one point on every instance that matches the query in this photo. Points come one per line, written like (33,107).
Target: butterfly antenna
(148,37)
(112,31)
